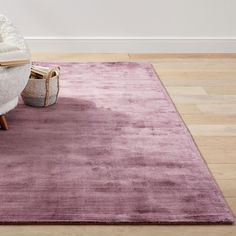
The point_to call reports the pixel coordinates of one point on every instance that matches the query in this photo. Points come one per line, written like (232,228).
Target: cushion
(4,47)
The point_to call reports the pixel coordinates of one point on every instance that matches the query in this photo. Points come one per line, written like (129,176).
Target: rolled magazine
(41,72)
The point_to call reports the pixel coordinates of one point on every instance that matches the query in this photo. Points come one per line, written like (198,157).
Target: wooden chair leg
(3,122)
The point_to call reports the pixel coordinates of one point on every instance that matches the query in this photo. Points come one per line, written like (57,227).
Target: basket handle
(53,72)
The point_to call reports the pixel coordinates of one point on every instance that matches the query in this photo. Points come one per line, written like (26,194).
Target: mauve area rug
(113,150)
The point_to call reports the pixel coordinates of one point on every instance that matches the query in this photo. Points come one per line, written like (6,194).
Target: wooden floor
(203,88)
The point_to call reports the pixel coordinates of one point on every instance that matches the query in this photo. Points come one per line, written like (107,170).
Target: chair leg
(3,122)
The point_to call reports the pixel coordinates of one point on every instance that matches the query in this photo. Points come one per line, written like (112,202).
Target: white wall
(126,25)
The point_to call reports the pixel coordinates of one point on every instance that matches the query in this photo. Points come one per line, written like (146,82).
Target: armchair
(14,67)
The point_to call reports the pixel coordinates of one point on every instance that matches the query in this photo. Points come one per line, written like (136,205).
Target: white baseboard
(132,44)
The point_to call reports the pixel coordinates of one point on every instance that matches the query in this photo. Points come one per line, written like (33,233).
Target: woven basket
(41,92)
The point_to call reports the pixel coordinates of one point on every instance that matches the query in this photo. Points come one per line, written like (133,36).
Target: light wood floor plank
(93,230)
(223,171)
(213,90)
(187,109)
(196,67)
(217,149)
(168,81)
(228,143)
(218,155)
(213,130)
(178,90)
(208,118)
(228,188)
(219,109)
(232,203)
(204,99)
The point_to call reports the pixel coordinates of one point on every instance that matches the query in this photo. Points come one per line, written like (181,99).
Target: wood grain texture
(215,74)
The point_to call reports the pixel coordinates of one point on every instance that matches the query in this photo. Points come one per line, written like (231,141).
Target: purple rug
(113,150)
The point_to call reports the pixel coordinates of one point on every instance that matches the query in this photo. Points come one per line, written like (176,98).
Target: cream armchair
(14,67)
